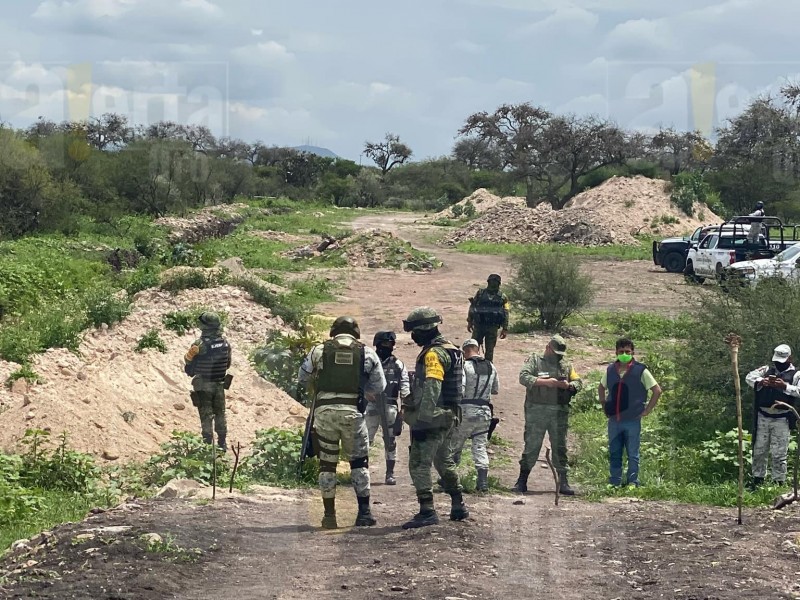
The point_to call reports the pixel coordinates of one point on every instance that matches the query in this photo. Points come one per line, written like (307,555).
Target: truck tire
(690,276)
(674,262)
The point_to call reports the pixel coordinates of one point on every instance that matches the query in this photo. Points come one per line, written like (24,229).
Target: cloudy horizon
(336,75)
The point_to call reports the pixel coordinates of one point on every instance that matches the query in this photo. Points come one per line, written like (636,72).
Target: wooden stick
(734,341)
(553,471)
(235,449)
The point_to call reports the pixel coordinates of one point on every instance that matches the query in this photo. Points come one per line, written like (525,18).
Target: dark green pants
(487,336)
(432,448)
(211,407)
(552,420)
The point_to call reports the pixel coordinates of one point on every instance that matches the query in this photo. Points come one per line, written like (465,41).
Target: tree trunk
(530,199)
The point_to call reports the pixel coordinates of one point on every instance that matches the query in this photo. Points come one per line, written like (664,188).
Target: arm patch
(193,351)
(433,367)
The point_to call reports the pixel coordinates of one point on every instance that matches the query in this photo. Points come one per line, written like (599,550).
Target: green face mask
(624,358)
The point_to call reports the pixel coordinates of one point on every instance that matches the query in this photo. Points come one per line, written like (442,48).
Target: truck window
(696,235)
(710,241)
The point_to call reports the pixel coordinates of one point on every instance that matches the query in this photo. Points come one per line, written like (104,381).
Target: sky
(336,74)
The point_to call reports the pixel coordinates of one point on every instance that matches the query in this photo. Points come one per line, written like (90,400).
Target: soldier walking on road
(397,387)
(777,381)
(480,380)
(432,412)
(207,363)
(488,313)
(550,383)
(342,374)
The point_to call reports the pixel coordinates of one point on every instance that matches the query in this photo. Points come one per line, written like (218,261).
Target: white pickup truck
(784,264)
(719,250)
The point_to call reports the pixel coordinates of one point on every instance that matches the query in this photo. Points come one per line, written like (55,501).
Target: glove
(397,428)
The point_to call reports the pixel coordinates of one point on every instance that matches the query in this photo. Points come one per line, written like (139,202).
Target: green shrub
(194,279)
(469,210)
(549,286)
(688,188)
(457,210)
(103,306)
(278,305)
(25,372)
(186,456)
(143,278)
(151,339)
(280,358)
(59,468)
(17,503)
(275,458)
(184,321)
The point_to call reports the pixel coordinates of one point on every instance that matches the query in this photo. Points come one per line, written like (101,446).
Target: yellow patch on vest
(193,351)
(433,367)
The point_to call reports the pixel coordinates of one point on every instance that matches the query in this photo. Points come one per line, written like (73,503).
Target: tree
(387,154)
(108,131)
(478,154)
(516,131)
(550,153)
(679,151)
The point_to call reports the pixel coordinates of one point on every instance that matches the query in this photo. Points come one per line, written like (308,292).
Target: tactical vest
(212,362)
(766,397)
(490,309)
(626,396)
(342,371)
(556,369)
(483,377)
(392,370)
(451,386)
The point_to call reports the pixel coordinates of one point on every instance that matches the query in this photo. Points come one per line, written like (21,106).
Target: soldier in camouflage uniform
(432,412)
(397,387)
(207,362)
(342,374)
(488,313)
(480,380)
(777,381)
(550,383)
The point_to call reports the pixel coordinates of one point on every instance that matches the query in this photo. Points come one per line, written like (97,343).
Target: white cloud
(468,47)
(564,21)
(203,6)
(269,53)
(640,38)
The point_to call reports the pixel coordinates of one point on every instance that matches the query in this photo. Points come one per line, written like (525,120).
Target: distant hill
(316,150)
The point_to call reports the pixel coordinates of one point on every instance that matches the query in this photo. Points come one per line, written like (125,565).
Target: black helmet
(384,336)
(493,277)
(345,325)
(759,204)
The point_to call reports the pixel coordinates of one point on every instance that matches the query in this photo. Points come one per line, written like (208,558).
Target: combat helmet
(384,336)
(422,318)
(346,325)
(209,321)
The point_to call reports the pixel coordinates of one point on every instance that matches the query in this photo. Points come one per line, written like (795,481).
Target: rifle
(307,445)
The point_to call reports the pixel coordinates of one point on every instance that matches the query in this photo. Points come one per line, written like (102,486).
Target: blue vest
(625,396)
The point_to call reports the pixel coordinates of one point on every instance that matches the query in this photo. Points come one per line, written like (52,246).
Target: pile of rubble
(368,248)
(612,213)
(482,200)
(211,222)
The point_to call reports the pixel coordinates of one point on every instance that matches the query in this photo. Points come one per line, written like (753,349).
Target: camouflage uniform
(432,412)
(208,360)
(488,313)
(338,417)
(547,410)
(773,425)
(480,380)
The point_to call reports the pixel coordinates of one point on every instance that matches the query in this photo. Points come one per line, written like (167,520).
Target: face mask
(493,287)
(624,358)
(781,366)
(383,352)
(421,338)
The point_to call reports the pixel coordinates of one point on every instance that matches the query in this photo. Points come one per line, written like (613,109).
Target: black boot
(755,483)
(222,443)
(426,515)
(482,484)
(563,487)
(329,519)
(458,510)
(522,481)
(206,438)
(364,518)
(390,480)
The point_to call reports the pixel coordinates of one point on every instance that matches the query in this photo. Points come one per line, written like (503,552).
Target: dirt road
(269,545)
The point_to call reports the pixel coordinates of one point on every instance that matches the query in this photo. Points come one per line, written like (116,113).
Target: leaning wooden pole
(734,341)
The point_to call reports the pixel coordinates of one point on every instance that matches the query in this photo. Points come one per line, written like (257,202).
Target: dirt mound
(482,199)
(115,402)
(612,213)
(211,222)
(368,248)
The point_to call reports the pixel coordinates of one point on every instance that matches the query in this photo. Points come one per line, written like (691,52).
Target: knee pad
(360,463)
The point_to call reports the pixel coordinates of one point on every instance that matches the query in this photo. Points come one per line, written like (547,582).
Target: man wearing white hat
(777,381)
